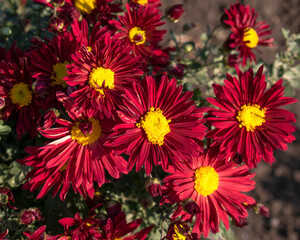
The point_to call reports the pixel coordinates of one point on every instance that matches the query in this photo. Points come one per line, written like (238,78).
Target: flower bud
(6,197)
(28,216)
(177,69)
(264,211)
(241,223)
(231,61)
(39,88)
(113,208)
(57,25)
(174,12)
(188,26)
(153,187)
(6,31)
(191,207)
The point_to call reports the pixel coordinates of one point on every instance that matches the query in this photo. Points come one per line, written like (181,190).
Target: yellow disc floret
(206,180)
(178,235)
(98,76)
(137,35)
(141,2)
(251,116)
(155,125)
(85,6)
(250,38)
(21,94)
(58,74)
(87,137)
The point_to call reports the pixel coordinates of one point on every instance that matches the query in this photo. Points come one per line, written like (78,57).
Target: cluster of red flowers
(99,99)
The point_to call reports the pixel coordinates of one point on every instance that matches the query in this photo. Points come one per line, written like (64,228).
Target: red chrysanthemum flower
(151,3)
(76,156)
(116,227)
(49,62)
(93,10)
(39,234)
(138,29)
(246,34)
(159,122)
(249,122)
(20,99)
(215,185)
(81,228)
(80,30)
(102,75)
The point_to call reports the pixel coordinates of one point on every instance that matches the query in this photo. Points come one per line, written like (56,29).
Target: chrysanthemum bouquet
(107,135)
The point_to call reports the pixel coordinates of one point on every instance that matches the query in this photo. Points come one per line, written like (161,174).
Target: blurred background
(277,186)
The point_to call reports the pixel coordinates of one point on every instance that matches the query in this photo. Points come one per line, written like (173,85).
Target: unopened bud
(113,208)
(242,222)
(153,186)
(177,69)
(174,12)
(28,216)
(189,46)
(188,26)
(6,32)
(6,197)
(191,207)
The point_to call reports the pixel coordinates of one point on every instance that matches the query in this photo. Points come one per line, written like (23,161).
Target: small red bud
(241,223)
(191,207)
(113,208)
(153,186)
(174,12)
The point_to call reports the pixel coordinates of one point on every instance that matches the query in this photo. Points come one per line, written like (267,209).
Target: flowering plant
(106,134)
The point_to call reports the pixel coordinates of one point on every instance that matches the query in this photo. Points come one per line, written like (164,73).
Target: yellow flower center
(206,180)
(141,2)
(251,116)
(178,235)
(250,38)
(21,94)
(155,125)
(86,132)
(85,6)
(137,35)
(58,74)
(98,76)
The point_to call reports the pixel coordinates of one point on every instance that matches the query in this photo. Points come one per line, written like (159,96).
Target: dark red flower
(215,185)
(76,156)
(20,100)
(118,228)
(138,29)
(158,119)
(246,33)
(102,76)
(77,228)
(180,230)
(249,122)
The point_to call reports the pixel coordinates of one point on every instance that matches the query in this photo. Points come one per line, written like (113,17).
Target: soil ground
(278,185)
